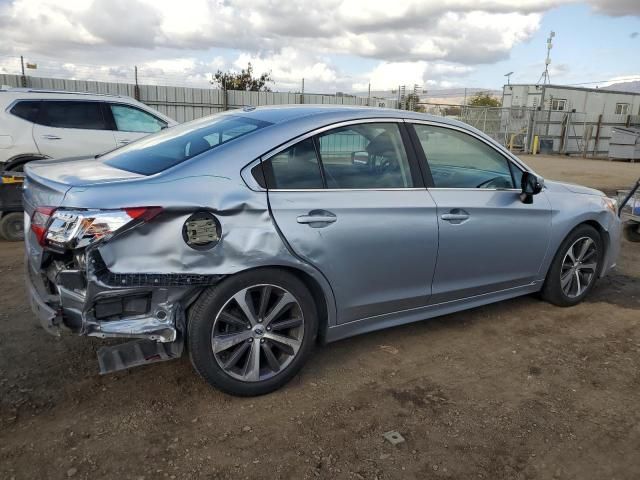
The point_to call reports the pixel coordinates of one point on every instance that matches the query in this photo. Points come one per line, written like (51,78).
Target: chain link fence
(572,133)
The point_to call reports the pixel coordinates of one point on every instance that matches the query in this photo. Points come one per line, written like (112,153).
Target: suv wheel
(252,333)
(575,267)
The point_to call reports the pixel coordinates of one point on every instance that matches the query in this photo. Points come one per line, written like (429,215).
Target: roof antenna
(545,78)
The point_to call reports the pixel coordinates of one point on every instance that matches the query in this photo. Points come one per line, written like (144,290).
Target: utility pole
(302,94)
(23,78)
(369,95)
(136,88)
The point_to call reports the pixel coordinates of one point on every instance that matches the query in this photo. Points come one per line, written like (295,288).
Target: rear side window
(296,168)
(27,110)
(62,114)
(131,119)
(172,146)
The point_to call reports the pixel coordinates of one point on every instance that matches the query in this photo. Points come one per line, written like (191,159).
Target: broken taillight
(39,221)
(72,228)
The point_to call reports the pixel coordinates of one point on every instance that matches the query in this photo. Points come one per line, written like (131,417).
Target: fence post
(597,140)
(484,124)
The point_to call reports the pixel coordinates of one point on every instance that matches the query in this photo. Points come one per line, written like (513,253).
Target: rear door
(489,240)
(130,123)
(71,128)
(350,201)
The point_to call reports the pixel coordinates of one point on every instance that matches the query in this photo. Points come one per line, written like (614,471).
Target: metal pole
(464,102)
(23,78)
(302,94)
(369,96)
(136,88)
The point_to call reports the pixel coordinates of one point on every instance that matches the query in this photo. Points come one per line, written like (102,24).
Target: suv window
(27,110)
(172,146)
(367,155)
(132,119)
(72,114)
(458,160)
(296,168)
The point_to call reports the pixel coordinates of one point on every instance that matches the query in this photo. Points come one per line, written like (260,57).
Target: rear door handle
(51,137)
(317,218)
(124,142)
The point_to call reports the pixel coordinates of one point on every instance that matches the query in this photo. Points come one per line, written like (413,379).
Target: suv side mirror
(531,185)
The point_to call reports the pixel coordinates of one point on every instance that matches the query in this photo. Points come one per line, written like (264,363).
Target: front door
(72,128)
(489,240)
(350,202)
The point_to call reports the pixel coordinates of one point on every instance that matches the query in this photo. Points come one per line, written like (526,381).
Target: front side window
(172,146)
(367,155)
(131,119)
(72,114)
(295,168)
(458,160)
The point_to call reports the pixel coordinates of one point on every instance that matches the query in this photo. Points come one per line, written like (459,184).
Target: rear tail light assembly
(72,229)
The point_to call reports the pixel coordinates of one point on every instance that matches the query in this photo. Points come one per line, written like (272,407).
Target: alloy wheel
(579,267)
(257,333)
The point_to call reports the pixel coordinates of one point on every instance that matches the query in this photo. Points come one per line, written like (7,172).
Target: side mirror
(360,158)
(531,185)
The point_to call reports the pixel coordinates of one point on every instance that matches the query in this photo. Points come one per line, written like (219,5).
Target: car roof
(44,93)
(281,114)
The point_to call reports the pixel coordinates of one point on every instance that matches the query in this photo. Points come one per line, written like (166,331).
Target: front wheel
(575,267)
(252,333)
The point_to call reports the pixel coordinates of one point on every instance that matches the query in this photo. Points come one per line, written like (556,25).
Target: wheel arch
(321,299)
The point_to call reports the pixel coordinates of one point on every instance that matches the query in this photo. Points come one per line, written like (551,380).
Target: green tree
(483,99)
(411,103)
(243,80)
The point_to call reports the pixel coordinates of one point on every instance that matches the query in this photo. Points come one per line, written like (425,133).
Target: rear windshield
(165,149)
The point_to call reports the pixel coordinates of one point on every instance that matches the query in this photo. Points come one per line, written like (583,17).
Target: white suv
(39,124)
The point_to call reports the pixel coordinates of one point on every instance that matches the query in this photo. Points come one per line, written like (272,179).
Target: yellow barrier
(536,142)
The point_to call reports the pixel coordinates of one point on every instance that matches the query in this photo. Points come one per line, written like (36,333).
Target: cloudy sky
(334,44)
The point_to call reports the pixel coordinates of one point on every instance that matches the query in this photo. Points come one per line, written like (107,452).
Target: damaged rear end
(70,286)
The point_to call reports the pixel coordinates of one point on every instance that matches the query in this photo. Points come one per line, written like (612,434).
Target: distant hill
(633,87)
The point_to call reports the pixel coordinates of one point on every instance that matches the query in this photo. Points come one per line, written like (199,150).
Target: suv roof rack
(62,92)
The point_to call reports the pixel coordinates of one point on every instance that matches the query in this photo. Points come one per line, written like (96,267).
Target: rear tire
(632,231)
(12,227)
(575,267)
(253,332)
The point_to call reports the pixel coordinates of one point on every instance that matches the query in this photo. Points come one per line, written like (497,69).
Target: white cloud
(414,40)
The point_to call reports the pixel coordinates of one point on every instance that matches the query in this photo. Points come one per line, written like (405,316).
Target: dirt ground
(516,390)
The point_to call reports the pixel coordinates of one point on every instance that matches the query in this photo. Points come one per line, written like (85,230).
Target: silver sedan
(253,234)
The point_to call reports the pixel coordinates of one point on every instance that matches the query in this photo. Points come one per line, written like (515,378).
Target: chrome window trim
(509,157)
(275,151)
(424,189)
(249,179)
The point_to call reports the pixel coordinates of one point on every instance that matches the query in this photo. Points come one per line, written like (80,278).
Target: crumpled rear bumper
(41,305)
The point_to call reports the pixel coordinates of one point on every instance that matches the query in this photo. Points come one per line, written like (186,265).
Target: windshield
(165,149)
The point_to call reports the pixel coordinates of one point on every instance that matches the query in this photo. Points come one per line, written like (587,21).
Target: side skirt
(380,322)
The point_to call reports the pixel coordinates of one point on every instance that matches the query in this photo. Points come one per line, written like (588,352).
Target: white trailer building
(565,98)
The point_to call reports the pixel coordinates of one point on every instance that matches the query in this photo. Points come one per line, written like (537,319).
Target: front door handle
(124,142)
(317,218)
(455,216)
(51,137)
